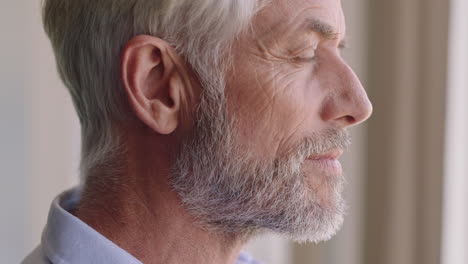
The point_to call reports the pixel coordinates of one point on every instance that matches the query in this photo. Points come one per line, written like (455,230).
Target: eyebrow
(325,30)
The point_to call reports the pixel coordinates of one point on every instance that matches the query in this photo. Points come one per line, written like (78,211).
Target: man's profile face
(272,161)
(289,81)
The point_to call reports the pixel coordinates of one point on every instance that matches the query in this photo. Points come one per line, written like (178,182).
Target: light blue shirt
(68,240)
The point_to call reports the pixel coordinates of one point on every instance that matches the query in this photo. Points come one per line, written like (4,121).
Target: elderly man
(204,123)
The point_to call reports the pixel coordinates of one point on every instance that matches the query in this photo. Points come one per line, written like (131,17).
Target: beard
(230,191)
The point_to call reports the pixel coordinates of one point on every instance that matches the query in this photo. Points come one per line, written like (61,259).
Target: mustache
(321,142)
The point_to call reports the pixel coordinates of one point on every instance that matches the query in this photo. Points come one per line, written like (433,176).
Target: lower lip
(329,166)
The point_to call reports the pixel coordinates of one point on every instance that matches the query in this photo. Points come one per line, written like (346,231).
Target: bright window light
(455,219)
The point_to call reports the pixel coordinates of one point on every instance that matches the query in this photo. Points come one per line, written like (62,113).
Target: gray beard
(231,192)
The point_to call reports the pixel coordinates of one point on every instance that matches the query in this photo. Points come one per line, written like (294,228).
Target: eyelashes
(305,55)
(305,59)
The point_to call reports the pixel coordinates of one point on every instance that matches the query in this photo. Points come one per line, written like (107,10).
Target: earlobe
(153,83)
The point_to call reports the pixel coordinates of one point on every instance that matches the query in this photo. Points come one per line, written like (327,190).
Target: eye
(342,46)
(306,59)
(303,51)
(306,56)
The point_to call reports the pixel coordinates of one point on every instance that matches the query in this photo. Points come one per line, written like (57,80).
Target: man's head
(252,97)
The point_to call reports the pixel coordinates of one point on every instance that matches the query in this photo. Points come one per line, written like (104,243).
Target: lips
(327,162)
(329,155)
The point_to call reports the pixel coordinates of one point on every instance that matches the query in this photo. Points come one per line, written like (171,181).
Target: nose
(346,102)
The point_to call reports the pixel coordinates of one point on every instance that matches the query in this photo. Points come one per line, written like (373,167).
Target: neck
(141,214)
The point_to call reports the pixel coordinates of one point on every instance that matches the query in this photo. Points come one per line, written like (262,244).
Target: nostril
(350,120)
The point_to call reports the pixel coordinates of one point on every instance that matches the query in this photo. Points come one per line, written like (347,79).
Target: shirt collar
(68,240)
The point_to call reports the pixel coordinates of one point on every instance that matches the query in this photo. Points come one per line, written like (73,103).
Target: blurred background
(406,170)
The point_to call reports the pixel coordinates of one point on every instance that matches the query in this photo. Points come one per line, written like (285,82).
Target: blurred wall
(407,75)
(39,131)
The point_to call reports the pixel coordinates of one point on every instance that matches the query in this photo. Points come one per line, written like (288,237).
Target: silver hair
(88,35)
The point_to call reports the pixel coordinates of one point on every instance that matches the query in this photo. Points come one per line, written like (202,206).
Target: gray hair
(88,35)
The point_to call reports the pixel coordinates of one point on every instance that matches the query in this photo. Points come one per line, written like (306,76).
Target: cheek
(273,109)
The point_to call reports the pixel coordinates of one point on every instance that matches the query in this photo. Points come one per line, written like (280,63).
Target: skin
(294,82)
(276,93)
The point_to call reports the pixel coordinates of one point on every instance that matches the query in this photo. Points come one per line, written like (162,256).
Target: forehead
(288,15)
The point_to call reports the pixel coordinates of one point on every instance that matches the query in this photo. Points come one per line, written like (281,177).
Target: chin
(321,214)
(323,231)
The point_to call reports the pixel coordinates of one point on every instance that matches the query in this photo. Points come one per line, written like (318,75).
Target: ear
(153,82)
